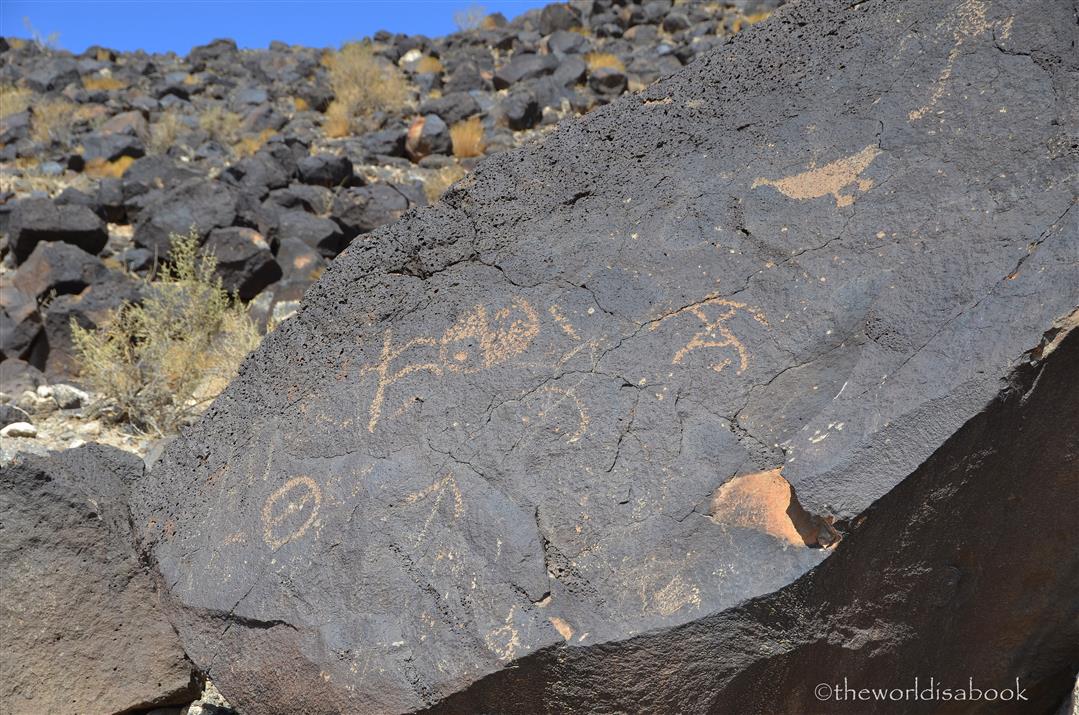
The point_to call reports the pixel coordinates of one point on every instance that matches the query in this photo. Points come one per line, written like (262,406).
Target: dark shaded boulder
(426,136)
(521,109)
(365,208)
(752,381)
(81,627)
(452,107)
(327,170)
(154,173)
(53,73)
(319,233)
(35,220)
(607,81)
(17,376)
(524,67)
(100,146)
(20,326)
(57,268)
(300,262)
(197,205)
(558,16)
(244,260)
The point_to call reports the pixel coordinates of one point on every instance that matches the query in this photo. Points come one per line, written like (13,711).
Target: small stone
(19,429)
(68,397)
(89,429)
(44,391)
(76,443)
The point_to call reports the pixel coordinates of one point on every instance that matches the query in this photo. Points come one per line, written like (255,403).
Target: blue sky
(179,25)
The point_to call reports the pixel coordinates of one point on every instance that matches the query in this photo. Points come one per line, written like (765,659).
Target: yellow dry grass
(602,60)
(103,83)
(14,99)
(427,65)
(222,125)
(165,131)
(362,84)
(51,120)
(468,139)
(105,169)
(251,143)
(436,182)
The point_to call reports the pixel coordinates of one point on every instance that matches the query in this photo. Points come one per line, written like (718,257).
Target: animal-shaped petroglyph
(290,511)
(970,22)
(828,180)
(478,340)
(715,333)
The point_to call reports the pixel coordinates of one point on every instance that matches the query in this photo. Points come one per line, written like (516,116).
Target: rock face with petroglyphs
(611,426)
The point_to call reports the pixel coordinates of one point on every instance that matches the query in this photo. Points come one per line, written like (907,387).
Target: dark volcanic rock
(36,220)
(365,208)
(523,67)
(326,170)
(244,260)
(81,627)
(57,268)
(198,206)
(428,135)
(575,438)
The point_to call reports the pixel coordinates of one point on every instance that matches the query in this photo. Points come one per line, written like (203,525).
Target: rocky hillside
(280,158)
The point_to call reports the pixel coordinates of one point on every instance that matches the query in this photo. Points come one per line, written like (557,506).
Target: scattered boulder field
(280,158)
(762,378)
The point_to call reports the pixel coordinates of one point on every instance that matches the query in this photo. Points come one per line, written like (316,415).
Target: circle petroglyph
(289,512)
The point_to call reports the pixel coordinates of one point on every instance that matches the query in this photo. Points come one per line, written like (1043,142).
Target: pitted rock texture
(81,629)
(634,376)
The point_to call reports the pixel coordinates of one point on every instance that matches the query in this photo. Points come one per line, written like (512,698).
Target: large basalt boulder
(575,438)
(80,624)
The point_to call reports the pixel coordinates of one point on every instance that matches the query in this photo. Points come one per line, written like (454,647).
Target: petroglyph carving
(554,405)
(476,341)
(439,488)
(828,180)
(715,333)
(290,511)
(970,22)
(504,641)
(675,596)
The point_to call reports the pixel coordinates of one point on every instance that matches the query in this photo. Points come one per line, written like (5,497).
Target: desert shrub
(467,136)
(222,125)
(102,82)
(362,83)
(166,131)
(436,182)
(14,99)
(160,362)
(471,18)
(600,60)
(51,120)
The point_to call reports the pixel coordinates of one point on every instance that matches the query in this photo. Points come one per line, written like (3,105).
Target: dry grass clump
(166,131)
(467,136)
(745,20)
(251,143)
(103,83)
(51,120)
(14,99)
(428,65)
(222,125)
(362,83)
(162,361)
(105,169)
(602,60)
(436,182)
